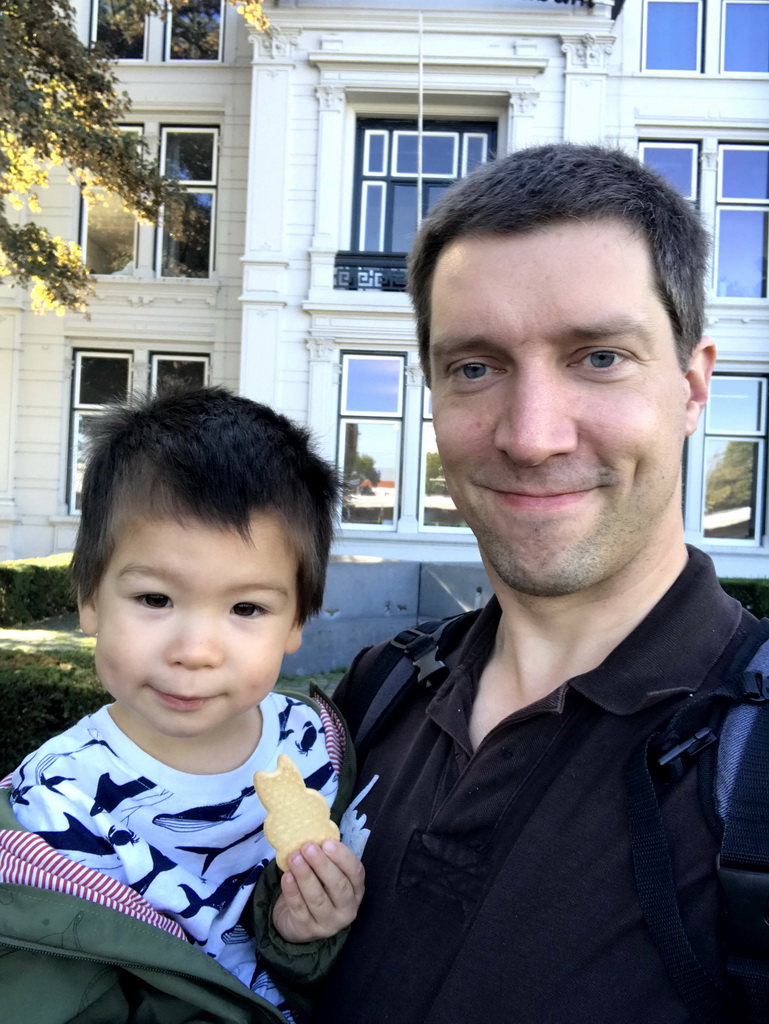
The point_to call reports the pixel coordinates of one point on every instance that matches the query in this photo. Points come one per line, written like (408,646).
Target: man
(559,303)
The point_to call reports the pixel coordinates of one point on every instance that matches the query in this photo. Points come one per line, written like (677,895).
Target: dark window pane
(434,193)
(734,406)
(371,457)
(102,379)
(439,155)
(110,246)
(671,36)
(745,173)
(746,47)
(404,217)
(376,153)
(406,159)
(120,29)
(189,255)
(80,437)
(674,164)
(731,469)
(373,385)
(195,31)
(179,373)
(741,254)
(475,152)
(190,155)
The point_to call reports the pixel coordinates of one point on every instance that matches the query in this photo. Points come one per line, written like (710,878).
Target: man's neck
(542,642)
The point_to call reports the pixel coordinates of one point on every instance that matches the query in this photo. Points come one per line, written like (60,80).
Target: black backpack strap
(667,755)
(743,868)
(409,659)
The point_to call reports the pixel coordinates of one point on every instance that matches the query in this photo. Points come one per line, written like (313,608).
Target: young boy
(204,536)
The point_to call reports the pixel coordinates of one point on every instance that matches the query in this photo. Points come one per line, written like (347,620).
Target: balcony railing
(364,272)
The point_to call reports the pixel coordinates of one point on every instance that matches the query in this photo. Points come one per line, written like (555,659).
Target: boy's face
(192,624)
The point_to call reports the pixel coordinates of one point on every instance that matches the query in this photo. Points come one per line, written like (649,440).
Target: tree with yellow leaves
(60,105)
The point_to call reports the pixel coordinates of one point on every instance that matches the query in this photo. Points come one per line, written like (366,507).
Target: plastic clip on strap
(675,760)
(755,686)
(421,649)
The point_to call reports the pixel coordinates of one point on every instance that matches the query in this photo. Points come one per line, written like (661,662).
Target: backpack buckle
(675,759)
(747,904)
(421,648)
(755,686)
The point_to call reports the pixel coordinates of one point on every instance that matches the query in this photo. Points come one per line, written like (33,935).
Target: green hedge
(752,594)
(35,588)
(42,694)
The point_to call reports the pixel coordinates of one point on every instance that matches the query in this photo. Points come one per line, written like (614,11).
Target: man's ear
(89,617)
(698,376)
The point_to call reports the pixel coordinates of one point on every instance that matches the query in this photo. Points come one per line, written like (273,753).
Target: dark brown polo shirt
(499,883)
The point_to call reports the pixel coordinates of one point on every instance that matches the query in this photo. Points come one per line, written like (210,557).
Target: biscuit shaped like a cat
(295,814)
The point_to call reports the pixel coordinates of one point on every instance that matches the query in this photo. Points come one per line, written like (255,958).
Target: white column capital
(587,52)
(276,43)
(330,97)
(322,350)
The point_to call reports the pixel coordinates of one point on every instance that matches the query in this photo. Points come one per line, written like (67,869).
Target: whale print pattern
(192,845)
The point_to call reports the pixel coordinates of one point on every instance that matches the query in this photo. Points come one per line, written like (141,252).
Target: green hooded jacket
(67,960)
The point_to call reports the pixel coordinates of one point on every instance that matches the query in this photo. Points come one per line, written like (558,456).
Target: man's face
(560,409)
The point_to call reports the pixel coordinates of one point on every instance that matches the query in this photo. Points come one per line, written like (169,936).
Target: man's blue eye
(602,360)
(472,371)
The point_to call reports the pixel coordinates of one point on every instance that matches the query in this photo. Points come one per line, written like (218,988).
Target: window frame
(726,203)
(722,41)
(93,35)
(193,186)
(345,415)
(168,38)
(86,410)
(392,129)
(699,42)
(693,146)
(426,420)
(757,436)
(137,129)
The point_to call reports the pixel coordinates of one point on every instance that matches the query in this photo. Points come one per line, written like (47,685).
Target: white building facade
(300,152)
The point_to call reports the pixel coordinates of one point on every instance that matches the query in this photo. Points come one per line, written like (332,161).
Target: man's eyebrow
(600,330)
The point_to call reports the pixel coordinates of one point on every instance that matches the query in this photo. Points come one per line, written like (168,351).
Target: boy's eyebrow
(148,570)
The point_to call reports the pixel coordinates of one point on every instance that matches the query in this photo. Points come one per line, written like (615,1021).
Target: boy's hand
(321,892)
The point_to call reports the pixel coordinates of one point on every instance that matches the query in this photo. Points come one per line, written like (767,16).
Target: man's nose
(536,417)
(196,643)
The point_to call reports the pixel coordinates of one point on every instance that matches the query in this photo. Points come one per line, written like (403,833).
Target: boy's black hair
(214,457)
(535,188)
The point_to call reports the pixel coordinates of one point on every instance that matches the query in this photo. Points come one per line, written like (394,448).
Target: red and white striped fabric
(26,859)
(333,733)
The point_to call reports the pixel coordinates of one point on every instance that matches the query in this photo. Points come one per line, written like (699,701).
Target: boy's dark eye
(155,601)
(245,609)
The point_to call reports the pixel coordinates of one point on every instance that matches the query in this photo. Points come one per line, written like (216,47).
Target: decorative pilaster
(585,93)
(412,426)
(521,110)
(322,398)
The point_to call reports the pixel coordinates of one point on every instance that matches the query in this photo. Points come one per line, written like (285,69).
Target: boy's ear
(294,639)
(89,618)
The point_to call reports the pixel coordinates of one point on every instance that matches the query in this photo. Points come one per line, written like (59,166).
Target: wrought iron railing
(364,272)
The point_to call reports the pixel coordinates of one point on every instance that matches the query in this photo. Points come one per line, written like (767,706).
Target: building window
(101,377)
(437,511)
(745,36)
(672,35)
(676,162)
(742,221)
(117,27)
(387,191)
(190,154)
(370,429)
(734,459)
(194,30)
(109,233)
